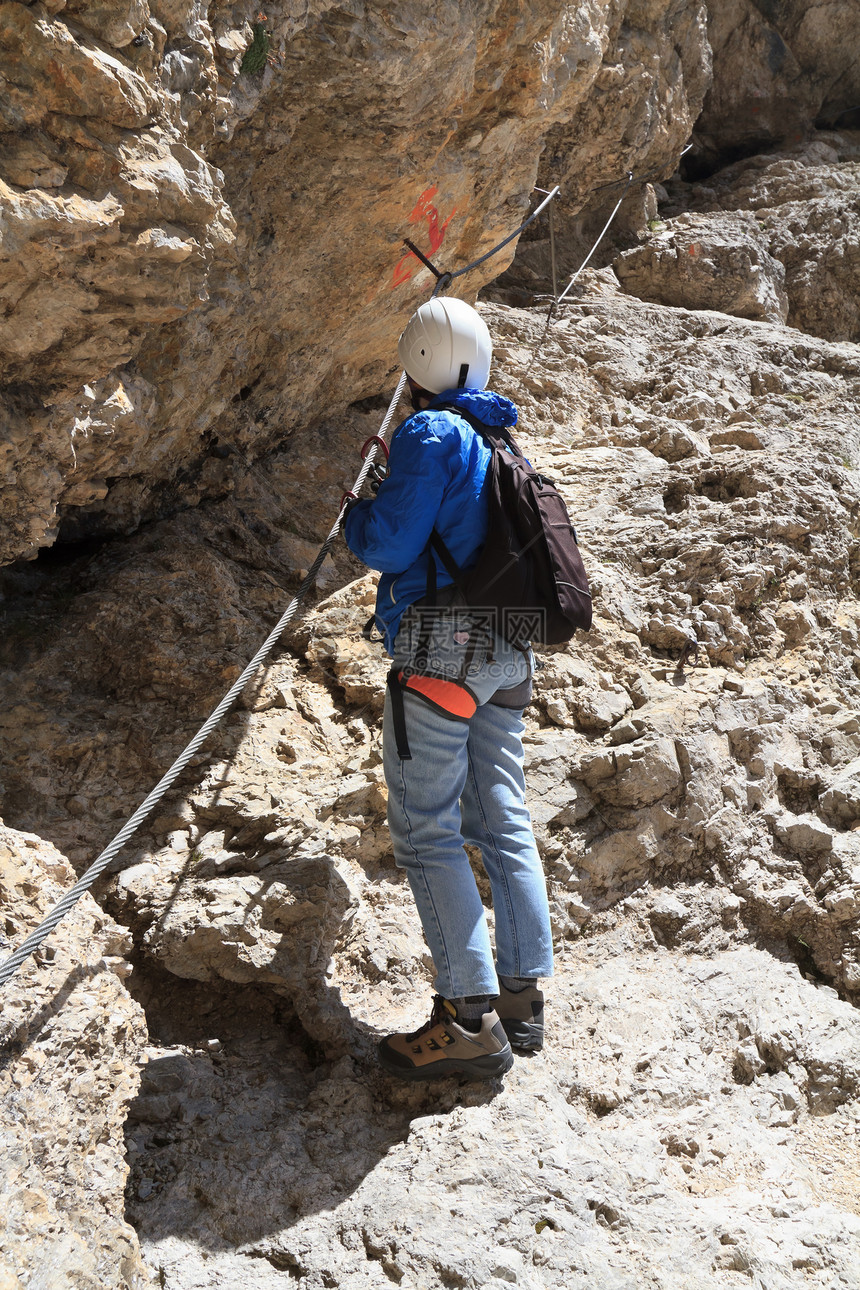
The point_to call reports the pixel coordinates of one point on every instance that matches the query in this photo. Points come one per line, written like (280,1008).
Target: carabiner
(374,438)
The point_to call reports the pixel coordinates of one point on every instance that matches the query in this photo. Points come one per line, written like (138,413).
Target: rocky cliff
(70,1041)
(693,1121)
(204,213)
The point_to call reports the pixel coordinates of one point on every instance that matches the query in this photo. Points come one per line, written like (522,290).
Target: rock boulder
(70,1042)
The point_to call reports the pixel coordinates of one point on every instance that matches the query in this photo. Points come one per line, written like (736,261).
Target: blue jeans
(465,782)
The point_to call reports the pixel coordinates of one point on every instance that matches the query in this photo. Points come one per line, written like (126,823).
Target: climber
(452,729)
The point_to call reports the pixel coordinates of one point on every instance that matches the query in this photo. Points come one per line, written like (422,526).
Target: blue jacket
(437,471)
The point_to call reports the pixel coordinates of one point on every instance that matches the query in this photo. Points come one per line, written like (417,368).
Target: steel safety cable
(73,895)
(468,268)
(600,237)
(557,301)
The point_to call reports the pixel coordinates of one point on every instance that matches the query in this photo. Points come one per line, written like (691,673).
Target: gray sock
(516,984)
(471,1009)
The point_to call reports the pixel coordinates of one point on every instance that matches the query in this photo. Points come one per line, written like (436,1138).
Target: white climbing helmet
(446,346)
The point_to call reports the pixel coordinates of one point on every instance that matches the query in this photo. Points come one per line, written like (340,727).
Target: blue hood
(436,479)
(492,409)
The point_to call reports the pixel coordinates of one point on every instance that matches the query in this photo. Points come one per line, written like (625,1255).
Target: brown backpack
(529,574)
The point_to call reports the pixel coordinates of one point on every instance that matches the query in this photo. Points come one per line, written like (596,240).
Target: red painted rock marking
(423,210)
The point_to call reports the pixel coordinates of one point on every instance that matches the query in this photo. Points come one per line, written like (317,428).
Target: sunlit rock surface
(212,258)
(204,213)
(776,236)
(694,1114)
(70,1041)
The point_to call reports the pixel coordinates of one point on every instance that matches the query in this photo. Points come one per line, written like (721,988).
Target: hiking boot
(521,1015)
(443,1047)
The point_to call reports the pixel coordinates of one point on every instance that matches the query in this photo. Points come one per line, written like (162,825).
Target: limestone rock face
(697,825)
(649,88)
(647,91)
(776,236)
(779,69)
(70,1040)
(678,1143)
(700,263)
(213,201)
(203,214)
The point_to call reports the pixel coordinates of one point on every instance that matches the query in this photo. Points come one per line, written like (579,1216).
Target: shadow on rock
(243,1127)
(30,1029)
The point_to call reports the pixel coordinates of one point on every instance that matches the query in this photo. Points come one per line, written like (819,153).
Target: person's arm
(390,532)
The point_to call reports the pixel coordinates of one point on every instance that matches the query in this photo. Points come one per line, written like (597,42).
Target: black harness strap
(369,628)
(398,715)
(422,647)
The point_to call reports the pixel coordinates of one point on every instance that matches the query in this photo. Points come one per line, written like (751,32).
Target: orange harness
(448,696)
(453,699)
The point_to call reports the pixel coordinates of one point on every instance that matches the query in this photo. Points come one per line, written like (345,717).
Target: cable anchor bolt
(423,258)
(444,280)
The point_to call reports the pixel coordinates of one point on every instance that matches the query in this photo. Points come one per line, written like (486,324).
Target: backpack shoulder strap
(436,542)
(451,567)
(495,436)
(492,433)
